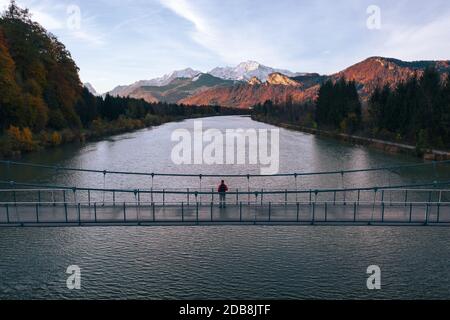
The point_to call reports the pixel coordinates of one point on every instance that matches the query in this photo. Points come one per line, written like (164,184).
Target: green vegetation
(337,108)
(42,100)
(416,112)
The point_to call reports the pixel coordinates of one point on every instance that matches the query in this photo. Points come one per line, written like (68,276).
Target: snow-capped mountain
(245,71)
(157,82)
(91,88)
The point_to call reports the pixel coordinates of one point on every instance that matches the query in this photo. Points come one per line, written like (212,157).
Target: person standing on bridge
(222,190)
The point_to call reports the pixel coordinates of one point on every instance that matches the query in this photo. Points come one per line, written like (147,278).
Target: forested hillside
(416,111)
(42,100)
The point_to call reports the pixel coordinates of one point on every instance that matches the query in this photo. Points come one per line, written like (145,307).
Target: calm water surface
(240,262)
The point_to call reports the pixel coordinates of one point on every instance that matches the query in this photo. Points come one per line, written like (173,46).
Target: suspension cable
(41,166)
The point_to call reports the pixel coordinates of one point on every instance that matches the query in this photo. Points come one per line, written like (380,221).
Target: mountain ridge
(250,82)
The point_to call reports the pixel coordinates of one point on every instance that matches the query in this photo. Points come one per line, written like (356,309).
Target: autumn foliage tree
(38,77)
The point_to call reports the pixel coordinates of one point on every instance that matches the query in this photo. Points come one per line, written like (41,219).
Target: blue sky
(121,41)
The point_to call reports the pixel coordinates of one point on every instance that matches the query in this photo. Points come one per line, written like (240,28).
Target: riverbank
(383,145)
(16,141)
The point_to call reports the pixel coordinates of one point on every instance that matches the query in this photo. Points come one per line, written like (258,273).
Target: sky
(117,42)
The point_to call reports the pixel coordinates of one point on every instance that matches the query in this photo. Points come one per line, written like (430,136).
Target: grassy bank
(16,141)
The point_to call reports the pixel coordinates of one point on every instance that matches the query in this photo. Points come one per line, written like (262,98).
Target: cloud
(232,42)
(53,15)
(418,42)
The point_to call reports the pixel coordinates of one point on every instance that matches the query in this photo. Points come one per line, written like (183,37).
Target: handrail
(105,172)
(435,184)
(206,203)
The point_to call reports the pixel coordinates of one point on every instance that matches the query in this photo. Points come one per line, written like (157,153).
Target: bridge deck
(30,214)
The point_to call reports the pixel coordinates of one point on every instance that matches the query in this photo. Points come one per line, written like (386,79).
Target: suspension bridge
(33,204)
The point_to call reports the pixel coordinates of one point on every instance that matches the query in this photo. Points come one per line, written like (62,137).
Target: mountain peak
(277,78)
(249,65)
(184,73)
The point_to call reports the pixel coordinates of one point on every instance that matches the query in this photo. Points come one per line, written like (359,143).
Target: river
(240,262)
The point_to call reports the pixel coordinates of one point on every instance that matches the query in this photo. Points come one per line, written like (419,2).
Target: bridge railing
(33,193)
(339,179)
(300,212)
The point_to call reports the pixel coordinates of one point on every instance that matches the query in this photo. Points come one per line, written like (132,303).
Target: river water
(240,262)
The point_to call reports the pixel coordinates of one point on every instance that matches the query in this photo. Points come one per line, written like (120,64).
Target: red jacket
(222,188)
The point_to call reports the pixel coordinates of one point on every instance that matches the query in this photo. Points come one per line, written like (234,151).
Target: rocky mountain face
(377,72)
(251,83)
(243,95)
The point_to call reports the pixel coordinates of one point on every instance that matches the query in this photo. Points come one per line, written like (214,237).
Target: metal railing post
(153,212)
(79,214)
(438,212)
(270,211)
(139,198)
(313,212)
(7,213)
(124,212)
(240,211)
(197,212)
(406,197)
(95,212)
(182,212)
(410,212)
(37,213)
(212,214)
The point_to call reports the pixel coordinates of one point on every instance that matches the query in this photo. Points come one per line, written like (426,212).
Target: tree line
(337,106)
(416,111)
